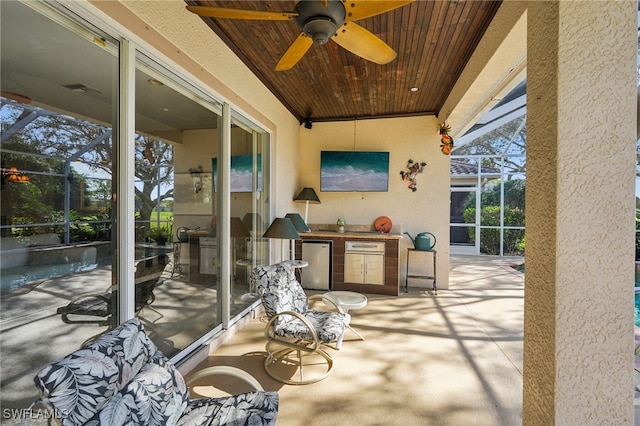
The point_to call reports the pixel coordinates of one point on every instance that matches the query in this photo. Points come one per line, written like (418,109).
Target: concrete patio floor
(450,359)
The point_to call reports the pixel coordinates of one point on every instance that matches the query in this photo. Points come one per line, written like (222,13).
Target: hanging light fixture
(13,175)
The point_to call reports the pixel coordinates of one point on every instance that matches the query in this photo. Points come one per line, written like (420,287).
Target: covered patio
(450,359)
(581,69)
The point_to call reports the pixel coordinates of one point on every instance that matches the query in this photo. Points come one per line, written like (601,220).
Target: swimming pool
(637,316)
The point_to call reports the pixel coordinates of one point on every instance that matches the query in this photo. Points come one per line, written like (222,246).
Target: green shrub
(489,237)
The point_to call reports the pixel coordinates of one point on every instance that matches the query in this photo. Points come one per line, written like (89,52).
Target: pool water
(637,316)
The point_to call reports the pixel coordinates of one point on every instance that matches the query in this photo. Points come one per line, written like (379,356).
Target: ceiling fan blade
(256,15)
(365,9)
(294,53)
(363,43)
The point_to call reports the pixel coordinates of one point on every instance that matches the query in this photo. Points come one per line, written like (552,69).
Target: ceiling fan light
(320,29)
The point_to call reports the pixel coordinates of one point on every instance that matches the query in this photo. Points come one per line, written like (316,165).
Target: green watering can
(422,241)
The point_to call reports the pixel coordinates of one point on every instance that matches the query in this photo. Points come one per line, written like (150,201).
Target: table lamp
(300,226)
(308,195)
(238,228)
(282,228)
(298,222)
(253,219)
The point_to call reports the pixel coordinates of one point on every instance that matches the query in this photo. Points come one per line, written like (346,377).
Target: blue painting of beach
(349,171)
(241,174)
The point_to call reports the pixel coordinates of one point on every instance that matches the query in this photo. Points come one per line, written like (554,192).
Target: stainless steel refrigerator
(316,276)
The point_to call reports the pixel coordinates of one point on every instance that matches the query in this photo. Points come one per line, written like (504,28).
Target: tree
(57,148)
(154,174)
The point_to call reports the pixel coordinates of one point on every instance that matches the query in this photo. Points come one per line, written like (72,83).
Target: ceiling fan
(321,20)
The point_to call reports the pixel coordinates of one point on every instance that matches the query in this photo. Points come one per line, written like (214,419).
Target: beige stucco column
(581,124)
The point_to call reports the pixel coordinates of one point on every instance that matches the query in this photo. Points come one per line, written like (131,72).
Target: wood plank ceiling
(434,41)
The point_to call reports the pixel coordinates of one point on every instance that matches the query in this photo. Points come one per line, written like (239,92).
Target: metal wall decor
(447,141)
(411,175)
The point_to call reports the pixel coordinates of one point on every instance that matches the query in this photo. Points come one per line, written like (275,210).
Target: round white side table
(346,301)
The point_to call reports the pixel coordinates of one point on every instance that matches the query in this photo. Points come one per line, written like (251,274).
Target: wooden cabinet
(361,262)
(364,262)
(364,268)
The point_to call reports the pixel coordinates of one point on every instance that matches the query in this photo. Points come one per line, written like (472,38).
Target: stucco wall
(581,95)
(426,209)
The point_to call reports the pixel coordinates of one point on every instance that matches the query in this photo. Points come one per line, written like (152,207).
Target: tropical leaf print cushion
(82,383)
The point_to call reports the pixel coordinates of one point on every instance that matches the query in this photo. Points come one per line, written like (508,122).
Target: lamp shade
(282,228)
(238,228)
(298,222)
(308,194)
(250,218)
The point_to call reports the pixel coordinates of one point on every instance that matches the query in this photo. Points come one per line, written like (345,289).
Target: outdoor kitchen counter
(391,281)
(369,235)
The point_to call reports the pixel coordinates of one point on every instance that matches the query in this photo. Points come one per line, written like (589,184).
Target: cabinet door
(353,268)
(374,269)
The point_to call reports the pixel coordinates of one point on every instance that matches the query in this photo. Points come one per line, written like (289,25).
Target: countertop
(371,235)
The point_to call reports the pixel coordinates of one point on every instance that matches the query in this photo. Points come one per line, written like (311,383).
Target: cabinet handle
(364,246)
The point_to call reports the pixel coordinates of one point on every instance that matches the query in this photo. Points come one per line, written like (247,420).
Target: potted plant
(160,234)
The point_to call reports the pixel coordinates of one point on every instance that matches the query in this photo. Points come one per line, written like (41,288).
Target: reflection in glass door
(249,210)
(463,221)
(58,270)
(177,278)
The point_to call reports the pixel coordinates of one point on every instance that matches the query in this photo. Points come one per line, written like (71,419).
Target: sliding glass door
(249,207)
(58,109)
(69,196)
(177,279)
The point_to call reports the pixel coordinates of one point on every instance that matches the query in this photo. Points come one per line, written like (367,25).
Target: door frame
(469,249)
